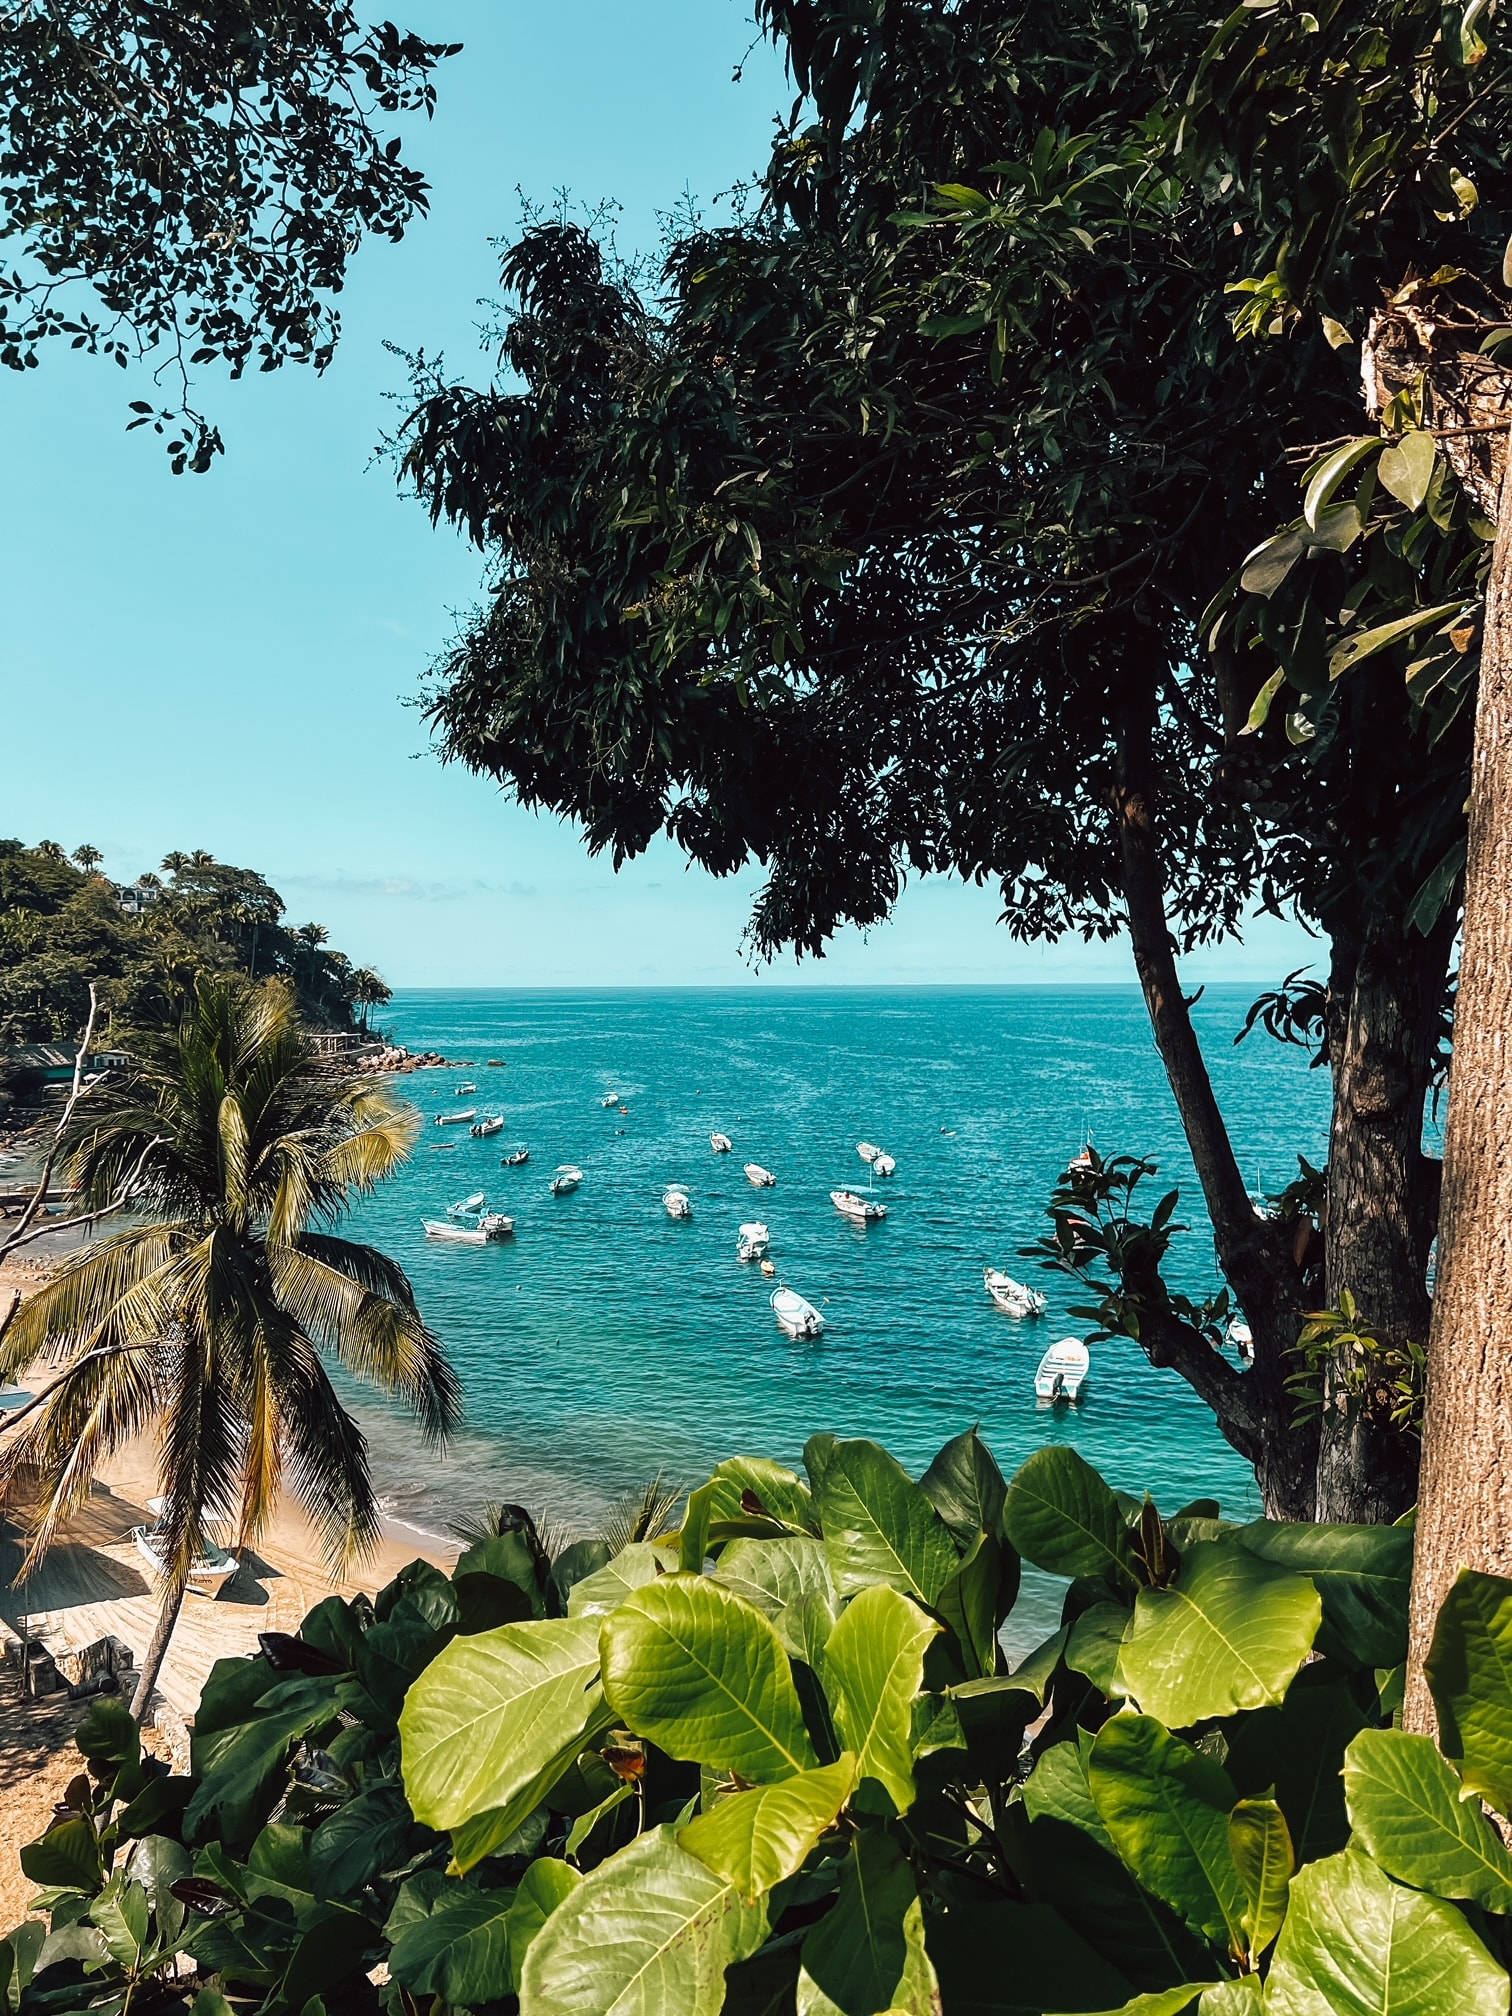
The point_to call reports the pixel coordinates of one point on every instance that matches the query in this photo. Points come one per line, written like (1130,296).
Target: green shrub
(775,1762)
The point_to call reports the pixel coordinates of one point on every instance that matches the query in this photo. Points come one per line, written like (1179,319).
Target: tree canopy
(186,184)
(903,526)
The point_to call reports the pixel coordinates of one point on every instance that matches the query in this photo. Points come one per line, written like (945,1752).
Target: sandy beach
(94,1583)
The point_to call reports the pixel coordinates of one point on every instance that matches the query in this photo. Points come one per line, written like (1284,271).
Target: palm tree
(87,857)
(175,863)
(50,850)
(369,990)
(210,1317)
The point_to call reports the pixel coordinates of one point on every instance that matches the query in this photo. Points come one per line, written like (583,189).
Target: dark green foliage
(191,181)
(62,927)
(1110,1856)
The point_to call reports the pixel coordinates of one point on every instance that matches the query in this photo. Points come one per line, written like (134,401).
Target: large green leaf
(359,1840)
(491,1712)
(607,1587)
(1261,1848)
(649,1932)
(878,1525)
(1357,1944)
(547,1883)
(784,1577)
(873,1669)
(1362,644)
(1363,1574)
(1167,1807)
(977,1598)
(1095,1643)
(1242,1997)
(1230,1634)
(966,1488)
(242,1743)
(696,1669)
(1469,1668)
(1060,1515)
(1296,1752)
(758,1837)
(747,1487)
(867,1954)
(1405,1807)
(459,1949)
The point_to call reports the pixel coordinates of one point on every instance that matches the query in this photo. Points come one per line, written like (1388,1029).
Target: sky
(230,661)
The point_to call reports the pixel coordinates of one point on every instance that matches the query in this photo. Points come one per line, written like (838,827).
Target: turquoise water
(606,1341)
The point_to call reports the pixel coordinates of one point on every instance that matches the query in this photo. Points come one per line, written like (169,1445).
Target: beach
(94,1584)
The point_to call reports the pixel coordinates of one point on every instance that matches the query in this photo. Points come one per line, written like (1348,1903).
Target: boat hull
(800,1319)
(860,1210)
(208,1576)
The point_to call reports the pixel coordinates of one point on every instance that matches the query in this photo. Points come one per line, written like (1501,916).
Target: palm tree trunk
(173,1602)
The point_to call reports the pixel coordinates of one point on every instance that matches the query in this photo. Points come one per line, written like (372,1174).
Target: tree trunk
(1255,1260)
(1465,1509)
(1380,1218)
(162,1632)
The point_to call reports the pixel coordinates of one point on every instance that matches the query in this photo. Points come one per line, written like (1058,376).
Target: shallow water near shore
(606,1341)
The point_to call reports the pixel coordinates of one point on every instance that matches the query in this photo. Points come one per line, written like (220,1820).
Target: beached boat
(864,1210)
(461,1091)
(567,1177)
(679,1204)
(209,1572)
(1062,1370)
(469,1207)
(492,1123)
(609,1099)
(1011,1296)
(721,1143)
(800,1319)
(762,1178)
(868,1150)
(753,1241)
(457,1119)
(482,1230)
(515,1159)
(883,1164)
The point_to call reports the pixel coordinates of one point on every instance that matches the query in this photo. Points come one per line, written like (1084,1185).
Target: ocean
(606,1342)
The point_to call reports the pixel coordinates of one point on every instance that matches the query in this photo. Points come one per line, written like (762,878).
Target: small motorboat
(864,1210)
(800,1319)
(461,1091)
(1083,1164)
(566,1178)
(753,1241)
(515,1159)
(769,1268)
(495,1063)
(721,1143)
(493,1123)
(609,1099)
(209,1572)
(485,1227)
(679,1204)
(868,1150)
(884,1165)
(457,1119)
(1062,1370)
(762,1178)
(1011,1296)
(469,1206)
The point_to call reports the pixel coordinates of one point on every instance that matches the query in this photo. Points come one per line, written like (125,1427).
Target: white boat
(868,1150)
(566,1178)
(800,1319)
(1011,1296)
(1242,1338)
(13,1396)
(721,1143)
(486,1227)
(1083,1163)
(469,1206)
(457,1119)
(1062,1370)
(753,1241)
(865,1210)
(609,1099)
(209,1572)
(679,1204)
(762,1178)
(515,1159)
(769,1268)
(482,1129)
(462,1091)
(883,1164)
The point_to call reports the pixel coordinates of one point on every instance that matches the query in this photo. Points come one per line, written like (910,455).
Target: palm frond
(641,1515)
(111,1291)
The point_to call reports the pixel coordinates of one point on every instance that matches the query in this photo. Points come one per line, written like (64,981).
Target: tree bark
(162,1632)
(1256,1414)
(1380,1219)
(1465,1509)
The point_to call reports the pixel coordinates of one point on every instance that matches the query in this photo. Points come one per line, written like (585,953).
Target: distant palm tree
(87,857)
(210,1318)
(50,850)
(175,863)
(369,990)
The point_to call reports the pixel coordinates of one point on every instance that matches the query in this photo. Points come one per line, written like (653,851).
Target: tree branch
(16,1238)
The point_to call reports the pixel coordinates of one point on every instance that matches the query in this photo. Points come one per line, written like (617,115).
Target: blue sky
(225,661)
